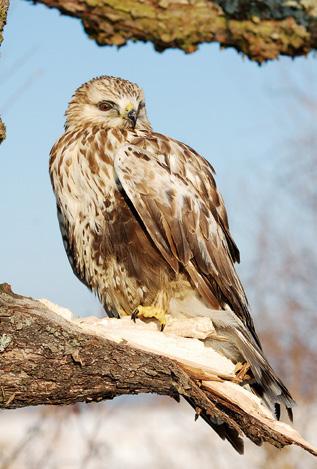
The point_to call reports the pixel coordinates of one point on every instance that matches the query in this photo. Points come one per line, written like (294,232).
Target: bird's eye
(141,105)
(105,105)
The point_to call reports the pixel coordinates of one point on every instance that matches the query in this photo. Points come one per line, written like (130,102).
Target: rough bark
(45,359)
(2,131)
(4,5)
(262,29)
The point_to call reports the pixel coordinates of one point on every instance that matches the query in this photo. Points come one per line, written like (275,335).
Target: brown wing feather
(175,194)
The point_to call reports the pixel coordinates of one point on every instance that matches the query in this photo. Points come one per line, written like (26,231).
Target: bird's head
(109,102)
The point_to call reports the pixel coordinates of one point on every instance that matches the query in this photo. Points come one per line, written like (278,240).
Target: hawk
(145,227)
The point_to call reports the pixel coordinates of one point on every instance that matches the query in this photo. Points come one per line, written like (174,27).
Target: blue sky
(229,109)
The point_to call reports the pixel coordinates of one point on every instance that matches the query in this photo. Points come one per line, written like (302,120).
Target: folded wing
(173,191)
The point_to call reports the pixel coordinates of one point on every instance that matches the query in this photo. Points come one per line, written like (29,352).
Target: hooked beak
(132,116)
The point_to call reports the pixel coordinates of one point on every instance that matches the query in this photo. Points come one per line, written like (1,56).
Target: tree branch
(46,358)
(262,30)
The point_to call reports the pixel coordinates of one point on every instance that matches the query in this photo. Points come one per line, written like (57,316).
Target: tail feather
(290,413)
(227,433)
(274,391)
(223,429)
(241,345)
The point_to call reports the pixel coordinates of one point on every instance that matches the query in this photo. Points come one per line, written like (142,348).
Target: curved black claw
(162,327)
(134,314)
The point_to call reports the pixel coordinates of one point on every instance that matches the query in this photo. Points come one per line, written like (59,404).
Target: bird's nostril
(132,116)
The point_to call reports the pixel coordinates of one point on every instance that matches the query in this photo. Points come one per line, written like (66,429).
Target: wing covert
(175,196)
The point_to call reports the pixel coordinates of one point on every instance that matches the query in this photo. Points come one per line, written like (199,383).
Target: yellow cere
(129,107)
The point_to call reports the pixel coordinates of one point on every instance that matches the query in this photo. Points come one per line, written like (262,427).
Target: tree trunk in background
(262,29)
(4,5)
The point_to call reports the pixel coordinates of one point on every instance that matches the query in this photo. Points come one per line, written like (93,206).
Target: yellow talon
(241,371)
(150,312)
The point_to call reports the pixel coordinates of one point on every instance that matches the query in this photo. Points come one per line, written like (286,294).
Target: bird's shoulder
(191,169)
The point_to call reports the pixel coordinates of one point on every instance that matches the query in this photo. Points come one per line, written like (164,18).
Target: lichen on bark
(262,30)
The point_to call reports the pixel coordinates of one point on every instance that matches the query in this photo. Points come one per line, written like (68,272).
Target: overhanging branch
(47,359)
(262,30)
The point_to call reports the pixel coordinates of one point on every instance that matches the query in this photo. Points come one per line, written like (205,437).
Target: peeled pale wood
(49,357)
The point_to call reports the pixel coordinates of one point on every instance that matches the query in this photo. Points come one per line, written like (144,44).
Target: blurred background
(258,127)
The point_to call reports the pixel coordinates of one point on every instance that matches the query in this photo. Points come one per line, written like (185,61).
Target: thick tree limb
(47,359)
(4,5)
(262,29)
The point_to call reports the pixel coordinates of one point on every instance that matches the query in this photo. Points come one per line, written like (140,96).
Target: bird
(145,227)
